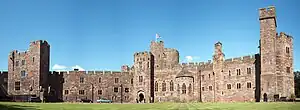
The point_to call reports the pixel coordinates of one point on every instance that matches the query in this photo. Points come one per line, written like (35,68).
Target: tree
(297,83)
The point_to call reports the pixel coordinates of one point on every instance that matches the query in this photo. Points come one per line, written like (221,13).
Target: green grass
(156,106)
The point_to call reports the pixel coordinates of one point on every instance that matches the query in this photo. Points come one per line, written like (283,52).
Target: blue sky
(104,34)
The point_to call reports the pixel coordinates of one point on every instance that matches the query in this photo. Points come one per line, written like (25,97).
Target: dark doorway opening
(141,97)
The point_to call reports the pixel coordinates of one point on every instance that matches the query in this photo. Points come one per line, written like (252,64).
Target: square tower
(28,71)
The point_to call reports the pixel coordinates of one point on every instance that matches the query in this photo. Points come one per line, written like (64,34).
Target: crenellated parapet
(268,12)
(240,59)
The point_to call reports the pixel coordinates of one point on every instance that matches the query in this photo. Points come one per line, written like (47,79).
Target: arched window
(183,88)
(171,86)
(190,88)
(178,88)
(164,86)
(156,86)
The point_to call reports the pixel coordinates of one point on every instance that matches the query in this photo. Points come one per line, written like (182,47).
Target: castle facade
(157,75)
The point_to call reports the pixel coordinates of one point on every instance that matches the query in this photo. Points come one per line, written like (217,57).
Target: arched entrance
(141,97)
(265,97)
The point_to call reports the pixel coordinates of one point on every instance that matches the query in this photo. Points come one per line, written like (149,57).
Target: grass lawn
(156,106)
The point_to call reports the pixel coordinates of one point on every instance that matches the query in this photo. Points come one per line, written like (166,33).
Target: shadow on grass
(16,107)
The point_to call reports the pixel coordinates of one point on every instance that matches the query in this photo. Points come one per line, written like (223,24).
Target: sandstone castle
(157,75)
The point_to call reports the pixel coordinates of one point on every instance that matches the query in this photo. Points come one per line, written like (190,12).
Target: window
(131,81)
(32,59)
(17,85)
(228,86)
(203,89)
(288,69)
(66,92)
(156,86)
(126,89)
(190,88)
(238,72)
(208,75)
(17,63)
(23,74)
(210,88)
(213,73)
(178,88)
(81,79)
(116,89)
(23,62)
(248,70)
(81,92)
(248,84)
(100,80)
(99,92)
(183,88)
(287,50)
(164,86)
(202,77)
(171,86)
(229,74)
(238,85)
(140,78)
(116,80)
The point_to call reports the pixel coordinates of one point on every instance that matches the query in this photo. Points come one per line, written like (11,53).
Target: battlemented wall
(27,71)
(157,75)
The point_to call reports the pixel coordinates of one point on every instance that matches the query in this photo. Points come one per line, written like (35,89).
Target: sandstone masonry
(157,75)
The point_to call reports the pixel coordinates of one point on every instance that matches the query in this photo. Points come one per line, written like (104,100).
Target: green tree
(297,83)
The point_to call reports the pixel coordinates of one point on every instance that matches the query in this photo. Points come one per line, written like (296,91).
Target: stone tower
(28,71)
(276,53)
(218,63)
(143,78)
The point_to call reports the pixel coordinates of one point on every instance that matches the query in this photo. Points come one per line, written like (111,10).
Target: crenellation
(203,81)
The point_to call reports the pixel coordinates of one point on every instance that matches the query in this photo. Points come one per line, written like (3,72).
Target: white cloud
(191,58)
(78,67)
(59,67)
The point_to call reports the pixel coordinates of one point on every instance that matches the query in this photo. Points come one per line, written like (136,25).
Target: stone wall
(29,69)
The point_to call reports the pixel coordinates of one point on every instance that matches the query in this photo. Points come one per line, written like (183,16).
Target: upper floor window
(171,86)
(116,80)
(228,86)
(66,92)
(208,75)
(131,81)
(164,86)
(183,88)
(156,86)
(17,85)
(100,80)
(238,85)
(17,63)
(116,89)
(229,73)
(202,88)
(23,62)
(288,69)
(99,92)
(248,84)
(238,72)
(81,80)
(248,70)
(287,50)
(210,88)
(202,77)
(23,73)
(126,89)
(32,59)
(140,78)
